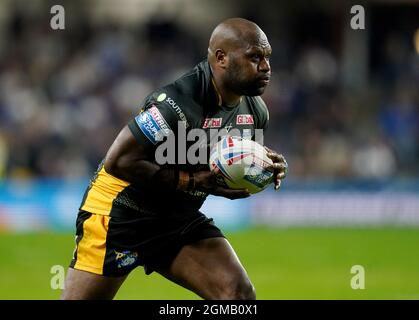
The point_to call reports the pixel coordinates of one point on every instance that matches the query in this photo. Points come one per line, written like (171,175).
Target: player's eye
(255,57)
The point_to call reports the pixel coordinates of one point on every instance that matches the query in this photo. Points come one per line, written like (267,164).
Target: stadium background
(344,107)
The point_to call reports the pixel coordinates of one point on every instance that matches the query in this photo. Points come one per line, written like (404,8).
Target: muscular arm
(132,162)
(128,160)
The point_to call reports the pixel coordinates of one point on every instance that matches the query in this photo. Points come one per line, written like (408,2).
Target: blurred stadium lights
(198,15)
(344,104)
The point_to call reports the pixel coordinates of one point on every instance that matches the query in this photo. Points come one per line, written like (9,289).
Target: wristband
(183,181)
(191,183)
(175,178)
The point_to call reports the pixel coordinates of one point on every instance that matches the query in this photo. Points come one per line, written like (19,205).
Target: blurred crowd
(328,130)
(65,95)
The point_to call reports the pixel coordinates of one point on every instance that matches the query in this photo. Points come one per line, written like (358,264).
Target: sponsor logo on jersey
(153,125)
(125,258)
(244,119)
(212,123)
(161,97)
(171,102)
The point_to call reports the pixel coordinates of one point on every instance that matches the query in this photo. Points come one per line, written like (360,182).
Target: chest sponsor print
(244,119)
(212,123)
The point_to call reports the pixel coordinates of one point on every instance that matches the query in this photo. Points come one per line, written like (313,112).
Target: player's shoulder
(181,96)
(189,85)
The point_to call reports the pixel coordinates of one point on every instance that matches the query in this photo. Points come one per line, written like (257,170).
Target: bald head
(233,34)
(238,54)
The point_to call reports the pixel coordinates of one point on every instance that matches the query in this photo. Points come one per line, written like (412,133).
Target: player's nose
(264,66)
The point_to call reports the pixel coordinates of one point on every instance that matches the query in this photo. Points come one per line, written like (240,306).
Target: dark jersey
(191,102)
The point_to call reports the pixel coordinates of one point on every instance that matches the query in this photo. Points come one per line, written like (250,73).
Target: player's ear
(221,58)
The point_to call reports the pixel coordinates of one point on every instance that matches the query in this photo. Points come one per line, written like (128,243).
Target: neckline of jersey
(220,99)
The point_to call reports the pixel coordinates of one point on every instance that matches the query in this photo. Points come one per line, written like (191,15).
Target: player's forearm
(143,172)
(147,173)
(130,161)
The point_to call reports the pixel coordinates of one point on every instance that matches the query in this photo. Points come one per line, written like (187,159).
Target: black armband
(176,178)
(191,183)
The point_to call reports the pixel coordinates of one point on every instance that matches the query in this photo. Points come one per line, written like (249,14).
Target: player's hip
(113,245)
(139,202)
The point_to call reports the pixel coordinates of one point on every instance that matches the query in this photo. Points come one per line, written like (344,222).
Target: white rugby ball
(243,164)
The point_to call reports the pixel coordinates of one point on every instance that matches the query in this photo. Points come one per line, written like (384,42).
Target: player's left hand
(279,167)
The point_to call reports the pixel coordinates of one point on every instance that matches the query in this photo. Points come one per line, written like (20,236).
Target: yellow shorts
(113,246)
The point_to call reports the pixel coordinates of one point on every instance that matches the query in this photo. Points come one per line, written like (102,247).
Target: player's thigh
(211,269)
(82,285)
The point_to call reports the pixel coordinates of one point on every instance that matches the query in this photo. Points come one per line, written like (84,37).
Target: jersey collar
(214,96)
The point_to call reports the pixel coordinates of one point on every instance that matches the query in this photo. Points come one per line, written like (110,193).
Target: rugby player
(136,212)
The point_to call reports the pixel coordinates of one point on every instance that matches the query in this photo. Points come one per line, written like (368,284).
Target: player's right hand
(207,181)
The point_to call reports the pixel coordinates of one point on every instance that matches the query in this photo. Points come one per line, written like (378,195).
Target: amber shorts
(113,246)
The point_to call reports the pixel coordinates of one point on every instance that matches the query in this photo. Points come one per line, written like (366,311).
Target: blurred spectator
(65,95)
(374,160)
(399,119)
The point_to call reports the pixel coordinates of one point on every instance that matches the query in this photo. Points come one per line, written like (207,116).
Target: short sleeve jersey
(166,121)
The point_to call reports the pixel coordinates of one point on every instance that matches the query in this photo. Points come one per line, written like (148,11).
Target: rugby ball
(243,164)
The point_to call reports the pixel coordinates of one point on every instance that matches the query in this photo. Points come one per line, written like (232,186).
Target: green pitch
(297,263)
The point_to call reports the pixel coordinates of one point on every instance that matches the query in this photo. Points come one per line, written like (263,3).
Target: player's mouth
(264,80)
